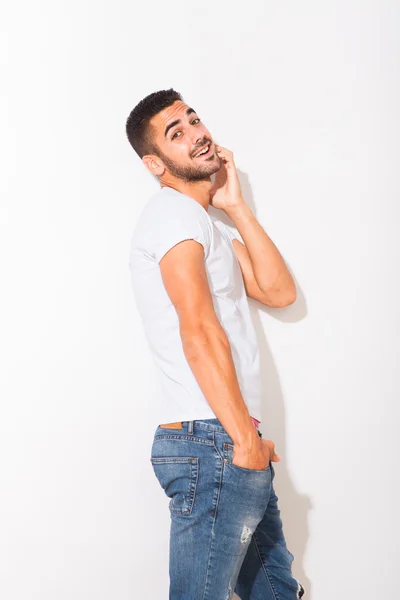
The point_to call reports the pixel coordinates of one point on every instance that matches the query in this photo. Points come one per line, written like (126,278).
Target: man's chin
(218,165)
(213,168)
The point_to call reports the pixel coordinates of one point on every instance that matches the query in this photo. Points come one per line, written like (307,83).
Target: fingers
(275,457)
(271,449)
(224,153)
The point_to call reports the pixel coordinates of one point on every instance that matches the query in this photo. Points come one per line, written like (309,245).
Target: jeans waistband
(213,424)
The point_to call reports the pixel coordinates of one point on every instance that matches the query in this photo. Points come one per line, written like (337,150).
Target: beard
(191,173)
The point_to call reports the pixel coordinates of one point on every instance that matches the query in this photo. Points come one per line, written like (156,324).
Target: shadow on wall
(294,507)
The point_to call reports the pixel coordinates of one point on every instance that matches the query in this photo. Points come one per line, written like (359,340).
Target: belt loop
(190,427)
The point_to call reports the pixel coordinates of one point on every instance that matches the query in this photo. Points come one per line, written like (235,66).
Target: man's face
(179,135)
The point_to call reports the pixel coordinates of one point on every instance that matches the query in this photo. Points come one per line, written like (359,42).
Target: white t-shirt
(168,218)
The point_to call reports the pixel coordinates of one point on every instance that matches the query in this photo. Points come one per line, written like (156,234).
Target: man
(191,278)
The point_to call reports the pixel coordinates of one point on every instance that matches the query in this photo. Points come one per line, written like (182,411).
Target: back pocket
(178,477)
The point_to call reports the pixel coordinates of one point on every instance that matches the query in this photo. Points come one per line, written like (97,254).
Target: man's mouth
(204,151)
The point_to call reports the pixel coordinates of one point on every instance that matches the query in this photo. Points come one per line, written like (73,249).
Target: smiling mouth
(204,152)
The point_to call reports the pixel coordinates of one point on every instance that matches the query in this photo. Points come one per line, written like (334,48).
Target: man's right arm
(207,349)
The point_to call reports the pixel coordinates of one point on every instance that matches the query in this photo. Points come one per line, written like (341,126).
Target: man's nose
(196,137)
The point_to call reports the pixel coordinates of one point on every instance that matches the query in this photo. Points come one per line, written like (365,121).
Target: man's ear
(154,164)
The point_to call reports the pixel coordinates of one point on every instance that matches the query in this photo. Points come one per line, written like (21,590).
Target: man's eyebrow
(173,123)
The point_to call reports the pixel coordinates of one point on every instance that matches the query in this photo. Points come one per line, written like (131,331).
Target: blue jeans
(226,532)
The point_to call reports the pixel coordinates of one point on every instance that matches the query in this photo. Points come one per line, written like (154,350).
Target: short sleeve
(175,218)
(233,234)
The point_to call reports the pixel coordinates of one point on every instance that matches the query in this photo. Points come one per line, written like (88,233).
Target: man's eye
(196,119)
(175,134)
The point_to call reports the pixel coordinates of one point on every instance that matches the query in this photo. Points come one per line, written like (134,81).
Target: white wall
(306,95)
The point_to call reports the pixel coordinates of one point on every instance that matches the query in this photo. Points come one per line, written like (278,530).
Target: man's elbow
(281,299)
(289,299)
(197,333)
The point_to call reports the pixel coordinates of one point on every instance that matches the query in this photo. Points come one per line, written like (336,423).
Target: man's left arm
(265,274)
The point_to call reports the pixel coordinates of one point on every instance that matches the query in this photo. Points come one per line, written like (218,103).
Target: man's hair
(138,128)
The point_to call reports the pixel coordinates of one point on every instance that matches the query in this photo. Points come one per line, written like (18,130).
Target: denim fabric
(226,533)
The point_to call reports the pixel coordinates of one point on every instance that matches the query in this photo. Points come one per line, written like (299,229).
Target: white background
(306,94)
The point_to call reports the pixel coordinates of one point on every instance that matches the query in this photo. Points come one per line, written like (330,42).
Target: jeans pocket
(178,477)
(228,450)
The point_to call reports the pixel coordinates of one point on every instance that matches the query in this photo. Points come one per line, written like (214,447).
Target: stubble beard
(191,173)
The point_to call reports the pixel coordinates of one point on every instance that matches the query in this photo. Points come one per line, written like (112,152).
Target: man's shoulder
(168,206)
(168,201)
(168,215)
(150,212)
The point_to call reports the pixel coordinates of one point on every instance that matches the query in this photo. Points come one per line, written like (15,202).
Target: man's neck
(198,190)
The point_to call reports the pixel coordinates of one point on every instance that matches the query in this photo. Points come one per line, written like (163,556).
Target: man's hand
(255,456)
(226,192)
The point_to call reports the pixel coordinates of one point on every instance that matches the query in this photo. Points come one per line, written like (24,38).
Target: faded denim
(226,533)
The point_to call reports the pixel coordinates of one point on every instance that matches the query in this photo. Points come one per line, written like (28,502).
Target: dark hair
(138,127)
